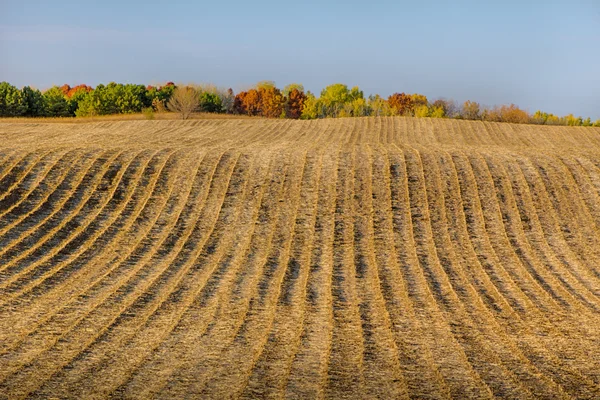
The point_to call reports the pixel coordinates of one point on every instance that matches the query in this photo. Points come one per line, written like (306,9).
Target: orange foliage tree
(272,102)
(247,102)
(295,103)
(69,91)
(400,104)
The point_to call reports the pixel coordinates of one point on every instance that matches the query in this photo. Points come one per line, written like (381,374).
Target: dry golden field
(350,258)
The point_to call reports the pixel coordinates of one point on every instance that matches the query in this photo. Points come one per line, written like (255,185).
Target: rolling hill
(340,258)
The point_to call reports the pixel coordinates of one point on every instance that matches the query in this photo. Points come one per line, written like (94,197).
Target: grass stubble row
(350,258)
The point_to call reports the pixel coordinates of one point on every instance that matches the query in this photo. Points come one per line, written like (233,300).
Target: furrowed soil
(353,258)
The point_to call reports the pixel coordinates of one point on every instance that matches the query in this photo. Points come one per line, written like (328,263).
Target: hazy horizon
(538,55)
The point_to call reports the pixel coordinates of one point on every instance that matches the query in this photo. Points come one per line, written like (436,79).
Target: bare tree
(184,100)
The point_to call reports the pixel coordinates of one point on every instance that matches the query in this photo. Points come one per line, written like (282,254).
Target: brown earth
(348,258)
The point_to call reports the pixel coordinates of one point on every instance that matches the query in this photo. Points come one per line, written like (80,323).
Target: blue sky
(537,54)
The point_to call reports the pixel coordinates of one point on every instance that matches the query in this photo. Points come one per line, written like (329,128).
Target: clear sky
(538,54)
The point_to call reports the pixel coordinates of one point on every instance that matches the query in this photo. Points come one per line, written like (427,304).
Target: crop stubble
(351,258)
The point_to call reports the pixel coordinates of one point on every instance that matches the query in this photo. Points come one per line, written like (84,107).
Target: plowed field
(348,258)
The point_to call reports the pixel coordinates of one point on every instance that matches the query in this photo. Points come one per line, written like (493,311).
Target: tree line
(264,100)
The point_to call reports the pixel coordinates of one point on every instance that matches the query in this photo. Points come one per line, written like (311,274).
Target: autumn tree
(470,110)
(311,107)
(419,100)
(247,103)
(421,111)
(449,107)
(184,101)
(294,103)
(400,104)
(513,114)
(289,88)
(158,97)
(272,102)
(378,106)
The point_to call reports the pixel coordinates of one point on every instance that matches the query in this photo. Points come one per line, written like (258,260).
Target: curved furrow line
(434,290)
(75,198)
(59,247)
(513,247)
(509,215)
(345,372)
(47,197)
(438,132)
(111,194)
(162,323)
(277,132)
(419,370)
(469,183)
(63,348)
(149,320)
(271,372)
(308,372)
(207,312)
(251,334)
(383,372)
(584,185)
(516,131)
(25,221)
(223,316)
(540,326)
(591,187)
(10,158)
(442,133)
(527,240)
(383,127)
(426,131)
(13,177)
(502,138)
(36,238)
(591,135)
(79,284)
(122,331)
(323,138)
(458,302)
(490,139)
(189,307)
(474,325)
(255,136)
(371,135)
(27,183)
(515,138)
(486,290)
(575,209)
(121,304)
(575,228)
(557,316)
(546,238)
(273,133)
(515,221)
(34,193)
(349,132)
